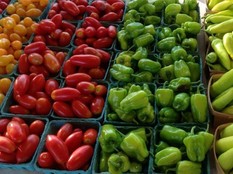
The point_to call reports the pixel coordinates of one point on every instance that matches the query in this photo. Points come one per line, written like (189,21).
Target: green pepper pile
(181,151)
(124,153)
(131,103)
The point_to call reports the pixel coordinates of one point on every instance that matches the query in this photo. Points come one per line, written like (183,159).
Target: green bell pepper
(149,65)
(170,12)
(150,95)
(179,34)
(188,167)
(135,147)
(134,100)
(166,44)
(122,38)
(211,57)
(103,165)
(143,40)
(184,8)
(146,114)
(134,88)
(195,15)
(165,32)
(160,146)
(144,76)
(135,4)
(153,20)
(159,5)
(148,9)
(173,135)
(112,117)
(164,97)
(178,53)
(134,29)
(150,28)
(191,27)
(121,72)
(141,132)
(128,117)
(189,44)
(168,115)
(167,73)
(192,4)
(168,157)
(199,106)
(109,139)
(167,59)
(181,101)
(135,167)
(140,53)
(181,69)
(182,18)
(115,96)
(132,15)
(167,2)
(209,139)
(195,69)
(118,163)
(180,84)
(124,59)
(195,146)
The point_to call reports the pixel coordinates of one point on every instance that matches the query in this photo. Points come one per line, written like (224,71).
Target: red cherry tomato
(23,64)
(50,85)
(35,59)
(86,87)
(90,31)
(74,140)
(57,148)
(112,31)
(46,26)
(26,150)
(65,38)
(80,157)
(80,33)
(35,47)
(69,68)
(7,145)
(63,109)
(97,105)
(40,69)
(37,84)
(57,20)
(65,131)
(51,63)
(100,90)
(21,84)
(102,32)
(90,136)
(27,101)
(71,8)
(37,127)
(43,106)
(25,128)
(17,109)
(16,132)
(45,160)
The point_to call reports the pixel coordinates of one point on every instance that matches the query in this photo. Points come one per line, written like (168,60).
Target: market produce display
(114,86)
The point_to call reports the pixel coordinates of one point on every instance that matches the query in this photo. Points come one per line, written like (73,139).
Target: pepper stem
(192,129)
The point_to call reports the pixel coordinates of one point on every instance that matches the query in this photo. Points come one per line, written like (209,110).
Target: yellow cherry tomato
(4,43)
(6,59)
(2,96)
(10,68)
(5,84)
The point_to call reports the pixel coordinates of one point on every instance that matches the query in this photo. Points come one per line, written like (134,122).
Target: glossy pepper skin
(160,146)
(181,101)
(189,44)
(166,44)
(134,29)
(195,69)
(195,146)
(150,95)
(171,11)
(188,167)
(134,100)
(199,106)
(173,135)
(146,114)
(103,164)
(167,73)
(124,59)
(121,72)
(115,96)
(144,76)
(168,156)
(135,4)
(178,53)
(122,38)
(168,115)
(126,116)
(149,65)
(140,53)
(154,20)
(179,34)
(164,97)
(182,18)
(135,167)
(209,139)
(141,132)
(118,163)
(165,32)
(133,15)
(109,138)
(166,59)
(191,27)
(180,84)
(181,69)
(135,147)
(143,40)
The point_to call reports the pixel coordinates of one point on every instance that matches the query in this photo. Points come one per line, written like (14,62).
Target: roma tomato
(90,31)
(35,59)
(85,60)
(97,73)
(35,47)
(71,8)
(86,87)
(60,56)
(23,64)
(69,68)
(26,129)
(51,63)
(57,148)
(80,33)
(56,34)
(7,145)
(65,38)
(93,51)
(73,79)
(8,157)
(90,136)
(37,127)
(64,131)
(45,160)
(40,69)
(46,26)
(65,94)
(105,58)
(63,109)
(80,157)
(43,106)
(3,124)
(80,109)
(27,101)
(18,119)
(66,24)
(50,85)
(16,132)
(26,150)
(37,84)
(104,42)
(17,109)
(57,20)
(100,90)
(102,32)
(99,5)
(97,105)
(74,140)
(21,84)
(112,31)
